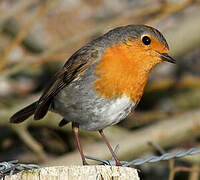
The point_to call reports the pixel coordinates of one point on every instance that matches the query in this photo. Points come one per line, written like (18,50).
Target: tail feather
(41,111)
(24,114)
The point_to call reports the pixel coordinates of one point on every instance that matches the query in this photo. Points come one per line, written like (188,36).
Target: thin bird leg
(110,148)
(75,128)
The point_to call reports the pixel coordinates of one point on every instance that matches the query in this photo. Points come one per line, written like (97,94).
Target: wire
(13,167)
(151,159)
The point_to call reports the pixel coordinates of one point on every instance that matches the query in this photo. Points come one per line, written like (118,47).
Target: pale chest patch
(110,113)
(116,108)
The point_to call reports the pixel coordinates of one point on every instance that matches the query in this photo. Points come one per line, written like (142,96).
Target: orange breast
(123,69)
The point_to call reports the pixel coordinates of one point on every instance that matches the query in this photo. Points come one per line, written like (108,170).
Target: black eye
(146,40)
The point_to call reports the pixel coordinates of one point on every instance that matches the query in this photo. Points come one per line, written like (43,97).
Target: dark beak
(166,57)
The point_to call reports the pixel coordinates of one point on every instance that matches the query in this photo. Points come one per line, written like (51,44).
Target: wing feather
(72,69)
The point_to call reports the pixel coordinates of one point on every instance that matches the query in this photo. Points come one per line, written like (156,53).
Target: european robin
(102,82)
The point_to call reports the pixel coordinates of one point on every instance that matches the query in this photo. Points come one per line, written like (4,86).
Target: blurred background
(38,36)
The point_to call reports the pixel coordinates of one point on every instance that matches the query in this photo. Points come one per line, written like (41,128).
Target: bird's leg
(75,128)
(110,148)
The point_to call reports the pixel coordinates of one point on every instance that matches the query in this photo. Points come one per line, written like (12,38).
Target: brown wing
(73,68)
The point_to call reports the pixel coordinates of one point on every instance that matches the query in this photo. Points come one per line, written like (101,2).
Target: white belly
(109,114)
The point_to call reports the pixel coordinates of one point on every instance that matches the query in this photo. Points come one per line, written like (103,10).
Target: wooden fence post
(97,172)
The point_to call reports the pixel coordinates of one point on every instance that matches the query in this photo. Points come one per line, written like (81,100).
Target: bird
(102,82)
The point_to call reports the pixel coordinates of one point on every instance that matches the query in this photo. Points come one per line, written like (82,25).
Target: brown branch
(168,10)
(194,174)
(43,10)
(181,27)
(165,133)
(23,133)
(21,6)
(51,120)
(172,171)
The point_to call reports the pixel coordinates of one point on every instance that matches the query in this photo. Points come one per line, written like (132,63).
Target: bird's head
(147,45)
(132,51)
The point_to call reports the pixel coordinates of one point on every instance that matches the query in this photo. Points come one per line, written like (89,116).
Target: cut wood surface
(78,173)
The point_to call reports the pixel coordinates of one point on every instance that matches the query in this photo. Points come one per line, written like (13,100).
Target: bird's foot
(110,162)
